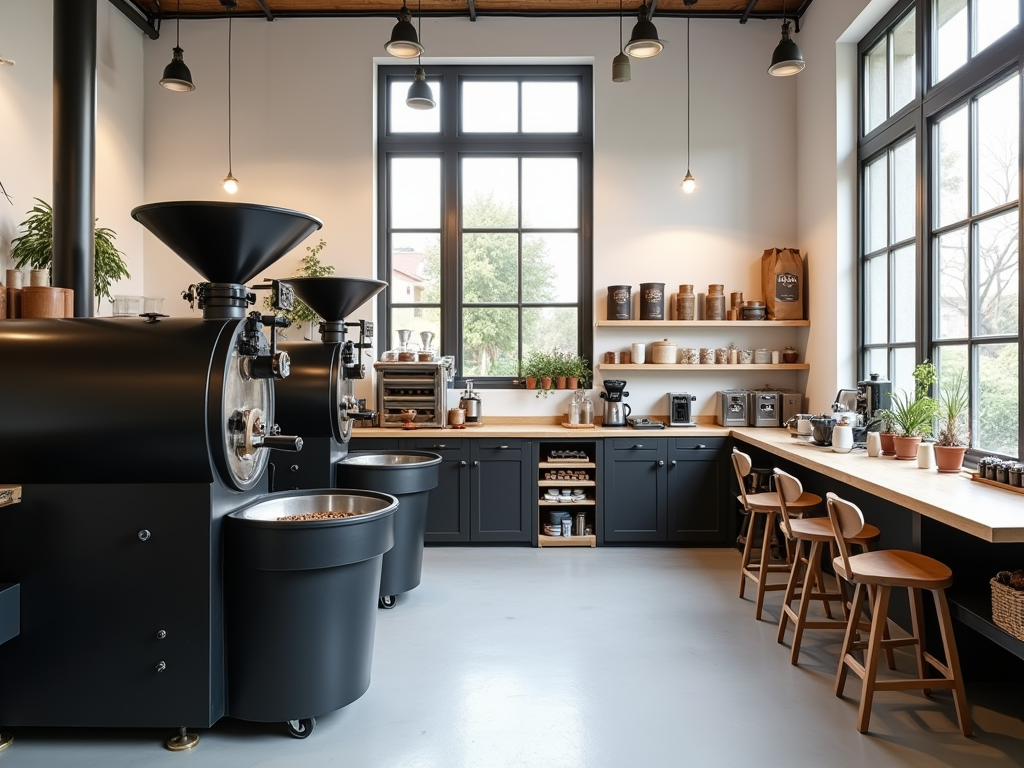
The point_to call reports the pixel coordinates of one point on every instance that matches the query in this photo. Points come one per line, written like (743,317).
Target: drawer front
(499,448)
(441,445)
(699,443)
(638,446)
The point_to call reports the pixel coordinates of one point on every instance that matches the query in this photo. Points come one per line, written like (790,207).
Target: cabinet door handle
(476,463)
(638,445)
(462,463)
(699,446)
(661,463)
(442,445)
(503,447)
(672,463)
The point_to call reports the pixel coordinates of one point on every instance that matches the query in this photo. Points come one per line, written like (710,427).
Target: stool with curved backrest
(768,506)
(806,572)
(885,569)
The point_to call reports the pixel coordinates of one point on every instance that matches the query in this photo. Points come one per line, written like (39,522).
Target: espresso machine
(615,410)
(873,394)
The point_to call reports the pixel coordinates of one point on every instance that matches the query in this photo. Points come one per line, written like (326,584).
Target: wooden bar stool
(768,506)
(806,571)
(883,570)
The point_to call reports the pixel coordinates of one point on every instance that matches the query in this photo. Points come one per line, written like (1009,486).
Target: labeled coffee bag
(782,281)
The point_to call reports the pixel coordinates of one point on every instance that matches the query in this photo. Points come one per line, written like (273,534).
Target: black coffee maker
(873,394)
(615,411)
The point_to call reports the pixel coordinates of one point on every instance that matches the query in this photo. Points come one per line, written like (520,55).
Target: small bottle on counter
(587,411)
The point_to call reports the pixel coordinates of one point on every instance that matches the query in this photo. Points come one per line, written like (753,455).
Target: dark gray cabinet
(448,506)
(483,487)
(500,482)
(634,489)
(696,473)
(665,489)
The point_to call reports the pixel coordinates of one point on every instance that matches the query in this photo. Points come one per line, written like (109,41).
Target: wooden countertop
(989,513)
(545,431)
(980,510)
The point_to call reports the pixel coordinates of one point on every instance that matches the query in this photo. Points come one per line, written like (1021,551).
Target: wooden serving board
(577,426)
(1002,486)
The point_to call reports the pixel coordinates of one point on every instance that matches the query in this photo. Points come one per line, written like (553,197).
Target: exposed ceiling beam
(749,9)
(135,15)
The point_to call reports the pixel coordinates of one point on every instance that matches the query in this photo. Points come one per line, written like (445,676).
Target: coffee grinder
(615,410)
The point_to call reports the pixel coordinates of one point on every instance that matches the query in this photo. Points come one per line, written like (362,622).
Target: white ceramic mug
(639,353)
(874,444)
(842,438)
(926,456)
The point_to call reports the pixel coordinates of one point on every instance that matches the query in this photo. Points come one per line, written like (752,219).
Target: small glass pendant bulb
(420,96)
(620,69)
(230,184)
(689,183)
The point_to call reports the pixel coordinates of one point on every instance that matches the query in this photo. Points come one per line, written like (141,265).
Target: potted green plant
(953,436)
(912,417)
(537,369)
(311,267)
(886,430)
(35,249)
(578,372)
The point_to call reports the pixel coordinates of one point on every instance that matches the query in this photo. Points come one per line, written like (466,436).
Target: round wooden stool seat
(820,529)
(897,568)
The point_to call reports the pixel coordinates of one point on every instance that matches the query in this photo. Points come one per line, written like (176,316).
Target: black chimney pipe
(74,148)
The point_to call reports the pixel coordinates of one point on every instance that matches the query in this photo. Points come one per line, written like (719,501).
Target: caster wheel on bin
(300,729)
(388,601)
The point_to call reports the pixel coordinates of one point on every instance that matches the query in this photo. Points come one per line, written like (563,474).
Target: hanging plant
(35,249)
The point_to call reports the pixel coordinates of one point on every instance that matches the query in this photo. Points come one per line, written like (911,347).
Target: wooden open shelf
(566,504)
(708,367)
(566,541)
(9,494)
(702,323)
(566,465)
(565,483)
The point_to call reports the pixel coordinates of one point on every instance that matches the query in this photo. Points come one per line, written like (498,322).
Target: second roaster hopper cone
(226,242)
(334,298)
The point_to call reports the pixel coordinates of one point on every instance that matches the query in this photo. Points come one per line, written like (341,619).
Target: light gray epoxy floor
(587,659)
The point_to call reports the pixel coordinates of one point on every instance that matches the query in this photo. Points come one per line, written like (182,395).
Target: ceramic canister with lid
(619,302)
(663,352)
(652,301)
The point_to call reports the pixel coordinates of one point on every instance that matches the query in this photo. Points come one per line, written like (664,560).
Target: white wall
(26,103)
(764,151)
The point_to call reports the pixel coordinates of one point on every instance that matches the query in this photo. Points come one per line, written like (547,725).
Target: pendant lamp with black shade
(177,76)
(689,184)
(643,40)
(787,59)
(230,182)
(420,96)
(620,64)
(404,42)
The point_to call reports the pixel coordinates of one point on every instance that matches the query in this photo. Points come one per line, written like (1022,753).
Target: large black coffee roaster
(132,439)
(317,400)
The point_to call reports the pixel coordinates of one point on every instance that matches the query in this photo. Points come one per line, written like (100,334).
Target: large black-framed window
(957,301)
(485,208)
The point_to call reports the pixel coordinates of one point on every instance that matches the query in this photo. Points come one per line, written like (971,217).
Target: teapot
(821,429)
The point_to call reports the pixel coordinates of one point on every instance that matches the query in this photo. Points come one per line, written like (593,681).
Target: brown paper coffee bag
(782,281)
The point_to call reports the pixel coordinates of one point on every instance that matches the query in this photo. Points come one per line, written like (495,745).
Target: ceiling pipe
(136,16)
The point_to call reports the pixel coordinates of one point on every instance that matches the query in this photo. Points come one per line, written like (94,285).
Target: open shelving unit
(702,323)
(588,505)
(703,367)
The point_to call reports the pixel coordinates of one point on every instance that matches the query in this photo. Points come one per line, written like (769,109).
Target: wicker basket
(1008,604)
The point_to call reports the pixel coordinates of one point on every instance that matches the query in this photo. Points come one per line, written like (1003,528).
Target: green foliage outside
(490,275)
(993,424)
(35,249)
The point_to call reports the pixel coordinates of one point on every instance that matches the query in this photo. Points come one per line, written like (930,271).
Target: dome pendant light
(620,64)
(404,42)
(689,183)
(787,59)
(176,75)
(230,182)
(420,96)
(643,40)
